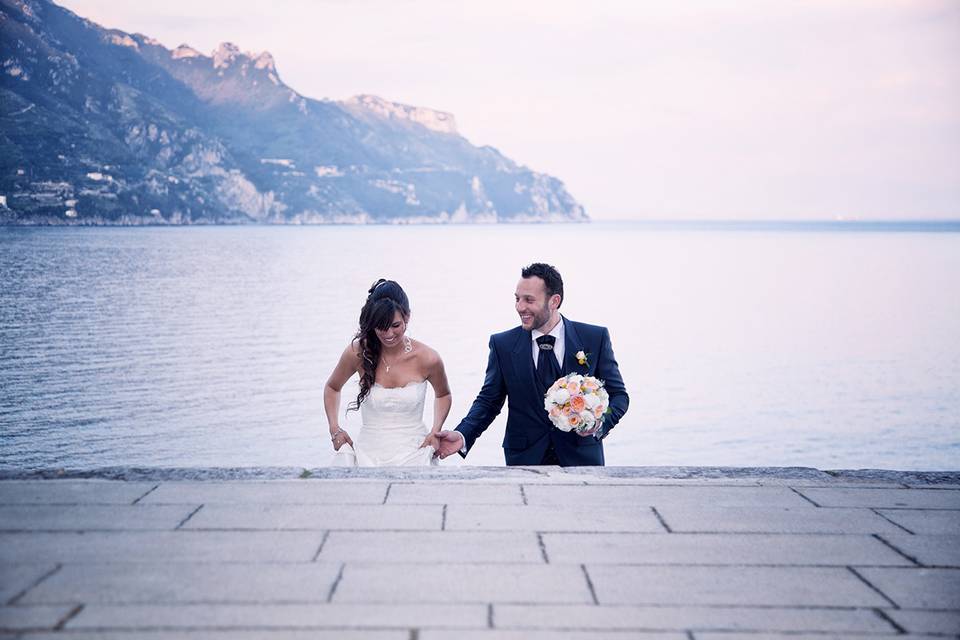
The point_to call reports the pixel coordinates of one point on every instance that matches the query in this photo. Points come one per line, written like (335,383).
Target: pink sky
(714,109)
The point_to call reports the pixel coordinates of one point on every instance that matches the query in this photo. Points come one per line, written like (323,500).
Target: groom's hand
(589,433)
(448,443)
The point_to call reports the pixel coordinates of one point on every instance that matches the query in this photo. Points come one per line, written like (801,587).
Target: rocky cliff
(98,126)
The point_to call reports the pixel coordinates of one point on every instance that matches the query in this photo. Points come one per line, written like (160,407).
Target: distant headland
(103,127)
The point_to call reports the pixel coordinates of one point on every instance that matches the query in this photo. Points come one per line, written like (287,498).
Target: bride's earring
(407,345)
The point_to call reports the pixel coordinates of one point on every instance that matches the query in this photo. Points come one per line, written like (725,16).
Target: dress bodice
(394,407)
(392,430)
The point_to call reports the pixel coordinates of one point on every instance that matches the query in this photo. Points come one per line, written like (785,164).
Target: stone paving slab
(927,622)
(19,618)
(158,546)
(884,498)
(925,521)
(736,635)
(573,517)
(91,517)
(730,586)
(432,546)
(834,483)
(358,516)
(679,618)
(319,615)
(72,491)
(657,496)
(775,520)
(543,552)
(539,634)
(203,634)
(931,550)
(272,492)
(463,583)
(918,588)
(143,583)
(588,481)
(454,493)
(16,577)
(732,549)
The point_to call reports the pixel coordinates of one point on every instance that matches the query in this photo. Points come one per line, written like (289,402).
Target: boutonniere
(582,357)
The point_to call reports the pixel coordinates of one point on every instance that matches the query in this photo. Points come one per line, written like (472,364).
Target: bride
(394,371)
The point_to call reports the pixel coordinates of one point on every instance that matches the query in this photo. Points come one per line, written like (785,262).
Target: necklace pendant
(388,368)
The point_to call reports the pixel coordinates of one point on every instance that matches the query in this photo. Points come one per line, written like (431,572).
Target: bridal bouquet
(576,403)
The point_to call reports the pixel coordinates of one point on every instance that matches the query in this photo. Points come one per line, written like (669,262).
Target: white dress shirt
(558,350)
(558,345)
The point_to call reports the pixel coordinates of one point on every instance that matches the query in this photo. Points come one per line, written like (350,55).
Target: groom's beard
(541,318)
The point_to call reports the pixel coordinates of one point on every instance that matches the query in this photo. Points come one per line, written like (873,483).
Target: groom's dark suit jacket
(511,375)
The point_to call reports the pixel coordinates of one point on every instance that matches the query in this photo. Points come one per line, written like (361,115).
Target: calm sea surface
(210,346)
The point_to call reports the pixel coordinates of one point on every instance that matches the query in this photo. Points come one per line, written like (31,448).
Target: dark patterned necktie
(548,369)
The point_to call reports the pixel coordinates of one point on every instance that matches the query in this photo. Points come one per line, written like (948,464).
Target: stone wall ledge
(759,475)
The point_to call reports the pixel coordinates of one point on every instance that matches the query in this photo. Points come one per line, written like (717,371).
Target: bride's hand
(430,441)
(341,438)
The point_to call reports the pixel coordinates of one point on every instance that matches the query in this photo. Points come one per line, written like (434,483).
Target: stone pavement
(478,553)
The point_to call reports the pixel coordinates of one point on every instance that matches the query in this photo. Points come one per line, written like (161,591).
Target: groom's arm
(488,404)
(608,371)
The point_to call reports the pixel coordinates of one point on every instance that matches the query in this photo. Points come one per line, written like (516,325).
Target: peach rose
(577,403)
(574,420)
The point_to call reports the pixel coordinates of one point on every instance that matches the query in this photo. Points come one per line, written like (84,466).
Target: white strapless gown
(392,430)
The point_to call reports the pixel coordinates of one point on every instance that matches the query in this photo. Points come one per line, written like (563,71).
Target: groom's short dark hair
(550,276)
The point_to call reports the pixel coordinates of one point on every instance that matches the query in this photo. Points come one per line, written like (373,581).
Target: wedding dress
(392,430)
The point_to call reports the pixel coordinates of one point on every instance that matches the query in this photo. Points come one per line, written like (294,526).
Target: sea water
(745,345)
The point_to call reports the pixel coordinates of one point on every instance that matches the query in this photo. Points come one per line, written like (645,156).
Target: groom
(523,363)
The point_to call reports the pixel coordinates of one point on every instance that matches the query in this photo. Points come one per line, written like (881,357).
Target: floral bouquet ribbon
(577,403)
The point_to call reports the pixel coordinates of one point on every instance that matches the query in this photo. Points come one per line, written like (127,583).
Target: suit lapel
(523,363)
(571,345)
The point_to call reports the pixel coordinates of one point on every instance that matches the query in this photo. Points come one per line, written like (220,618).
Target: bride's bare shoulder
(352,350)
(426,354)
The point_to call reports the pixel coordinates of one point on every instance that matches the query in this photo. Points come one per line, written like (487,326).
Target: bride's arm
(441,389)
(346,367)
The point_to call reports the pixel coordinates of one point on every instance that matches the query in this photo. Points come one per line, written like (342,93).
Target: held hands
(448,443)
(340,438)
(430,441)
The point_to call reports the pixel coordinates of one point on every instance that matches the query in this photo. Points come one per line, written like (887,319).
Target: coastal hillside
(99,126)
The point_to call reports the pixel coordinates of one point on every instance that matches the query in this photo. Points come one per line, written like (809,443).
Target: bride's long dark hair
(384,299)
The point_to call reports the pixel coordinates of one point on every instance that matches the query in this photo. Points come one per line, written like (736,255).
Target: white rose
(591,400)
(562,423)
(560,397)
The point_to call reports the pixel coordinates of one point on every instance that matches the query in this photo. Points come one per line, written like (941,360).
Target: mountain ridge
(101,126)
